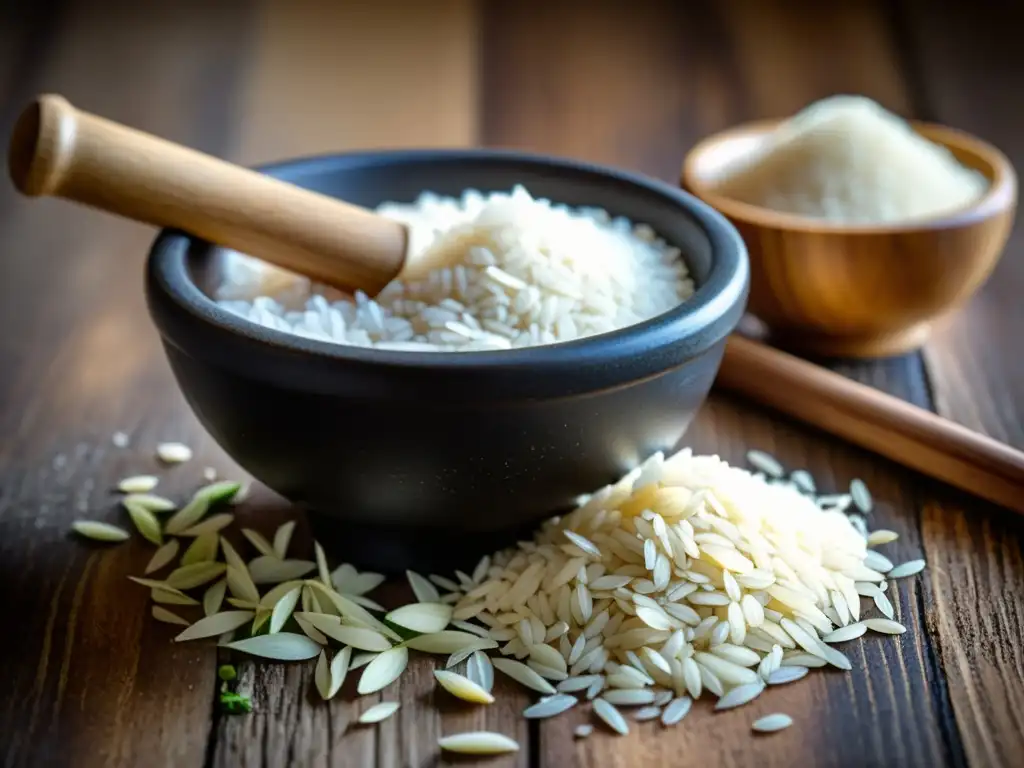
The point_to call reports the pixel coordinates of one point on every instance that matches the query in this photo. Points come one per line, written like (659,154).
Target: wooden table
(88,679)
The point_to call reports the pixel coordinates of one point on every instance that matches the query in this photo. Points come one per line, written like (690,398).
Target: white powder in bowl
(847,160)
(523,272)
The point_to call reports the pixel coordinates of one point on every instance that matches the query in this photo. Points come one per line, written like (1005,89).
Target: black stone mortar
(428,460)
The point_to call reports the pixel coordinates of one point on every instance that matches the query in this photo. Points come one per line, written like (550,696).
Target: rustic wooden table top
(88,679)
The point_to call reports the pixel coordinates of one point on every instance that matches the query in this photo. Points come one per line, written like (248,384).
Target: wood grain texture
(553,73)
(291,725)
(331,76)
(89,678)
(968,67)
(788,55)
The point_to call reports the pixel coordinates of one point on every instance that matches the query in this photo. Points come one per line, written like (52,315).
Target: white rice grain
(771,723)
(524,675)
(550,706)
(740,695)
(909,568)
(168,617)
(785,674)
(163,556)
(383,670)
(138,484)
(98,531)
(379,712)
(173,453)
(463,688)
(676,710)
(629,697)
(885,626)
(478,743)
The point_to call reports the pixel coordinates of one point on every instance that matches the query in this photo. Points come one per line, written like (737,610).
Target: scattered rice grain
(379,712)
(881,536)
(629,697)
(138,484)
(647,713)
(213,597)
(861,495)
(676,710)
(524,675)
(740,695)
(765,462)
(173,453)
(284,646)
(480,670)
(421,617)
(383,670)
(94,529)
(203,549)
(785,674)
(212,524)
(611,716)
(217,624)
(462,687)
(550,706)
(843,634)
(884,605)
(909,568)
(163,556)
(259,541)
(282,538)
(168,617)
(282,610)
(478,743)
(195,575)
(885,626)
(771,723)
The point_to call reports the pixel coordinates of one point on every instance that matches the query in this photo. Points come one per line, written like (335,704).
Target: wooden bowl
(861,290)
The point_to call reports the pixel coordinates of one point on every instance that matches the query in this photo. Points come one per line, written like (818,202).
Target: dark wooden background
(88,679)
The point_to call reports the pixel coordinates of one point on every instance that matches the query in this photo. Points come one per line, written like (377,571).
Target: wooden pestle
(886,425)
(58,150)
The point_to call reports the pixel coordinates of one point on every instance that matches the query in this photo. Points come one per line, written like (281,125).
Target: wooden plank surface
(89,678)
(977,374)
(92,680)
(328,76)
(970,70)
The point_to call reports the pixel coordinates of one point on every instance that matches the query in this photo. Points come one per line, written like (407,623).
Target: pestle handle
(864,416)
(60,151)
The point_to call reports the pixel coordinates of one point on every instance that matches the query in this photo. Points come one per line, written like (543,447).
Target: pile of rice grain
(523,272)
(686,579)
(846,159)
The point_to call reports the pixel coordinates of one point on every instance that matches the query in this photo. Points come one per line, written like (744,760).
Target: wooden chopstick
(909,435)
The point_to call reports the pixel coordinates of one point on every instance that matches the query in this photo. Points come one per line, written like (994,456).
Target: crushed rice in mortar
(523,272)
